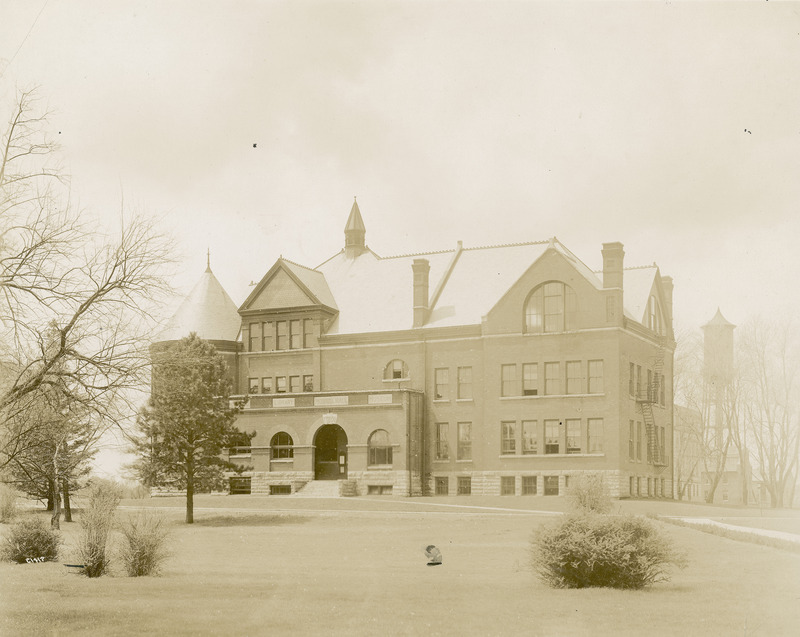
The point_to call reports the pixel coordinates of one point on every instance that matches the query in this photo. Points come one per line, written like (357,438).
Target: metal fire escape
(656,454)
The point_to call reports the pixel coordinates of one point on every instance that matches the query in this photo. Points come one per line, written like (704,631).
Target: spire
(208,260)
(354,233)
(719,321)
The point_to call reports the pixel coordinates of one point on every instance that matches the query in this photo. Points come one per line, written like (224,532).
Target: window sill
(239,455)
(441,400)
(442,460)
(282,460)
(465,461)
(379,467)
(538,396)
(396,380)
(465,400)
(554,455)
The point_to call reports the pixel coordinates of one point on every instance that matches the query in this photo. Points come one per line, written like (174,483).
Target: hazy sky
(672,127)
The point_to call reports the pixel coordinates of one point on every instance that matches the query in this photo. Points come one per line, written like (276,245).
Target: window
(631,487)
(252,384)
(596,377)
(465,383)
(655,319)
(574,377)
(441,485)
(595,434)
(663,391)
(631,380)
(508,437)
(552,379)
(282,446)
(464,485)
(280,383)
(649,384)
(295,335)
(266,385)
(656,392)
(255,336)
(280,489)
(441,382)
(464,450)
(267,336)
(308,383)
(528,485)
(662,448)
(283,335)
(611,309)
(631,441)
(294,384)
(649,487)
(551,485)
(442,448)
(530,379)
(550,308)
(308,333)
(379,489)
(508,385)
(573,435)
(638,381)
(239,486)
(395,370)
(530,437)
(551,436)
(639,441)
(507,486)
(638,485)
(379,447)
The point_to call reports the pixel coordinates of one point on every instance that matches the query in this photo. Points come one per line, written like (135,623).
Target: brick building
(489,370)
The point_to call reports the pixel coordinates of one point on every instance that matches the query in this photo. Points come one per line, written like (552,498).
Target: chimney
(613,255)
(421,268)
(669,286)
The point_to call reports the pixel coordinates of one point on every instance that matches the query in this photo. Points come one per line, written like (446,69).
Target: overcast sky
(248,127)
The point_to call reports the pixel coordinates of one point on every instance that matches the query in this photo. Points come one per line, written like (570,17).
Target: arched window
(395,370)
(380,448)
(282,446)
(551,308)
(655,319)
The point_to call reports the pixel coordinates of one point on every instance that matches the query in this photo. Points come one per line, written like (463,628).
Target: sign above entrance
(329,401)
(330,419)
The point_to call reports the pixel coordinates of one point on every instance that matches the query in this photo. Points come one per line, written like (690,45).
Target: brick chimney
(421,269)
(613,256)
(669,286)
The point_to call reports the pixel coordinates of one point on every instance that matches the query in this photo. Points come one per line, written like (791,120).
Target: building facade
(502,370)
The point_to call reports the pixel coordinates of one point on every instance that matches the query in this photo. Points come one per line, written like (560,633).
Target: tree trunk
(55,519)
(189,490)
(67,509)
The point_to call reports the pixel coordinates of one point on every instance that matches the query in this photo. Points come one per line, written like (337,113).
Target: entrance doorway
(330,453)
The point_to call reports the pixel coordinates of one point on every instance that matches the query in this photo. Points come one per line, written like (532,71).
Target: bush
(96,521)
(8,503)
(597,550)
(588,494)
(30,538)
(144,544)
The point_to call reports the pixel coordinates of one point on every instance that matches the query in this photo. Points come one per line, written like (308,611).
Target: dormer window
(551,307)
(395,370)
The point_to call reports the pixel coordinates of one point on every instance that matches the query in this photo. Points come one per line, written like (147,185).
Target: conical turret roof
(207,310)
(718,321)
(354,221)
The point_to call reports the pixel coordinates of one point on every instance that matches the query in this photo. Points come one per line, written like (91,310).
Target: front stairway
(319,489)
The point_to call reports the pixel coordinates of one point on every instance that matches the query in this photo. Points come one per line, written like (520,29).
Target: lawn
(356,567)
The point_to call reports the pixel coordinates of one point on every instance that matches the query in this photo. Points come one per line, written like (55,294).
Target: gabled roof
(376,294)
(637,285)
(292,285)
(207,310)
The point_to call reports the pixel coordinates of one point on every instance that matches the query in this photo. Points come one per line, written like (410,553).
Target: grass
(362,571)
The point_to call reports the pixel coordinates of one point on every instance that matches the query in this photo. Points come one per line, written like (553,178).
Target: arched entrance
(330,453)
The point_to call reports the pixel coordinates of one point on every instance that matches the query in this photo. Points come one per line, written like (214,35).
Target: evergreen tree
(188,420)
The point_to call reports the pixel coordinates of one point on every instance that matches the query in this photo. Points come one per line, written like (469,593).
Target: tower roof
(354,221)
(719,321)
(207,310)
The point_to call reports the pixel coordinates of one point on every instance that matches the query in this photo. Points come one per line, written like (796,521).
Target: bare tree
(75,305)
(772,388)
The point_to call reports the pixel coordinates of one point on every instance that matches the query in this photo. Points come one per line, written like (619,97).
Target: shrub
(597,550)
(8,503)
(31,538)
(144,544)
(96,521)
(589,494)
